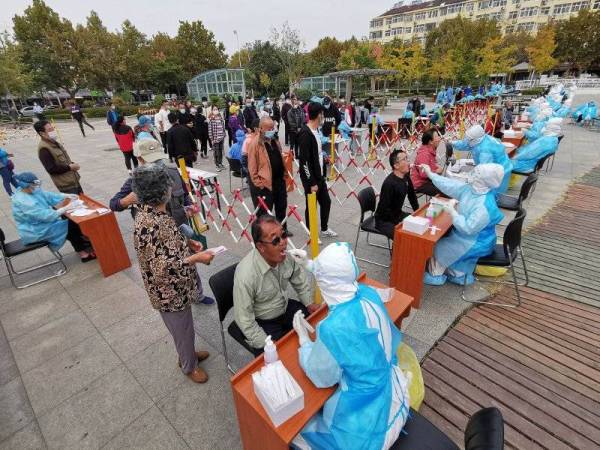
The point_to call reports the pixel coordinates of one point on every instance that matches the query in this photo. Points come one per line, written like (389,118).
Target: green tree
(166,72)
(520,40)
(133,56)
(288,43)
(360,55)
(197,49)
(242,57)
(323,58)
(541,49)
(578,40)
(494,57)
(265,62)
(14,76)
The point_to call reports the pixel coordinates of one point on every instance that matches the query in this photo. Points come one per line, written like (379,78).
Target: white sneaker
(329,233)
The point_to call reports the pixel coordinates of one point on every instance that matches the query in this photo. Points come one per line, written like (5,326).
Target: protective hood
(485,177)
(25,179)
(552,129)
(240,135)
(474,135)
(335,270)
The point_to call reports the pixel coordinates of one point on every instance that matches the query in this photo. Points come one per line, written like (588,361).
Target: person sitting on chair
(426,154)
(260,303)
(394,190)
(37,219)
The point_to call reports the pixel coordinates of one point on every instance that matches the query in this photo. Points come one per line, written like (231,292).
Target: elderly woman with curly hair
(167,265)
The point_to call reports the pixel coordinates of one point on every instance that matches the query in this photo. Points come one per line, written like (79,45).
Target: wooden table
(411,252)
(517,140)
(105,236)
(256,429)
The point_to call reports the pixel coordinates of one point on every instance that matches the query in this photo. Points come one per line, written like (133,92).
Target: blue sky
(253,19)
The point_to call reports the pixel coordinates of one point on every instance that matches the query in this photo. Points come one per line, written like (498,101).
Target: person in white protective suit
(473,233)
(37,219)
(529,154)
(486,149)
(355,347)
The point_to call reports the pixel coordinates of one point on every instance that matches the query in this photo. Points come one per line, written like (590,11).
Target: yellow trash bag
(409,364)
(490,271)
(514,180)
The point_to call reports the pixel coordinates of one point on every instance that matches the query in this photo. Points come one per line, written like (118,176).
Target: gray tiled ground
(86,363)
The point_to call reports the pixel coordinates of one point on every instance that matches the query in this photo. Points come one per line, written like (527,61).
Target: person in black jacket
(181,142)
(287,105)
(295,120)
(311,166)
(394,190)
(331,115)
(250,114)
(201,132)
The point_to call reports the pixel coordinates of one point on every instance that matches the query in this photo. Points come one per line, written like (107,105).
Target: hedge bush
(537,91)
(58,114)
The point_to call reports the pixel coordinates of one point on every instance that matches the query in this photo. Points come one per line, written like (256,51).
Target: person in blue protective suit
(441,97)
(408,112)
(485,149)
(235,152)
(528,155)
(355,347)
(468,91)
(450,95)
(535,131)
(37,220)
(473,233)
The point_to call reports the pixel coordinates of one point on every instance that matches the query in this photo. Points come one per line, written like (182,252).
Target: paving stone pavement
(86,363)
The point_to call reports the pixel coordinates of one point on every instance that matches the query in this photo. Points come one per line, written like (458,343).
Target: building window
(545,11)
(419,16)
(470,6)
(562,9)
(378,34)
(443,11)
(528,12)
(513,14)
(496,16)
(408,30)
(509,29)
(577,6)
(497,3)
(420,28)
(453,9)
(516,2)
(596,4)
(527,26)
(429,26)
(387,33)
(432,13)
(484,5)
(376,23)
(408,18)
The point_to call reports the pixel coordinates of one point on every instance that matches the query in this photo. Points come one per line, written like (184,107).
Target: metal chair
(550,164)
(221,284)
(536,169)
(15,248)
(367,201)
(235,169)
(504,255)
(512,203)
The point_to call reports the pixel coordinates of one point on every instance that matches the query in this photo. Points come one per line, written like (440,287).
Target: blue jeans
(8,179)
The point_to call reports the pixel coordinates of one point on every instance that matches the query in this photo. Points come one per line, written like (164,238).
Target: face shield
(474,135)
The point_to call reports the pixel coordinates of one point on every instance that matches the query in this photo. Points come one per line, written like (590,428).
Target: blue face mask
(270,134)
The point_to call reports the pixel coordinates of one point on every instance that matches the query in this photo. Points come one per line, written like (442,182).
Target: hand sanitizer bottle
(270,351)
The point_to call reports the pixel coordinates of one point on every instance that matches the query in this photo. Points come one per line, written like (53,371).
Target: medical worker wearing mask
(529,155)
(37,220)
(355,347)
(485,149)
(473,233)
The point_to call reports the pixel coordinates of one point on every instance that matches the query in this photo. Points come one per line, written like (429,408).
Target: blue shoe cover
(434,280)
(461,279)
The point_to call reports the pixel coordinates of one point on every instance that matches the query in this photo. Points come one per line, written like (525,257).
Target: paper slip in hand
(102,210)
(217,250)
(385,294)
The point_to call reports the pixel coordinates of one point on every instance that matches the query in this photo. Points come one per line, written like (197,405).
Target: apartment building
(408,21)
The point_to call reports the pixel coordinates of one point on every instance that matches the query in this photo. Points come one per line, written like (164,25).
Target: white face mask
(193,110)
(182,111)
(52,135)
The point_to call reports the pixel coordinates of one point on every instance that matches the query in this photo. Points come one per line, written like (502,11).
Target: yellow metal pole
(313,226)
(332,159)
(198,225)
(373,122)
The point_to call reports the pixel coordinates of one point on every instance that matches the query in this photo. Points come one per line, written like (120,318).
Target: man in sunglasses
(260,303)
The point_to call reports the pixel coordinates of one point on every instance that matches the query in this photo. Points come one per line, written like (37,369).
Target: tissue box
(414,224)
(283,412)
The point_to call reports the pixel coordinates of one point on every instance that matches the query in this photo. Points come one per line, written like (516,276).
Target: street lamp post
(238,46)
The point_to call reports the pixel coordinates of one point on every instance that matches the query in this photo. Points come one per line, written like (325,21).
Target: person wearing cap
(38,217)
(145,128)
(356,348)
(148,151)
(55,159)
(473,233)
(486,149)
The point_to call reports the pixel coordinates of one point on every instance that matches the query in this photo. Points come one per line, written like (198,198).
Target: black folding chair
(15,248)
(512,203)
(550,164)
(235,169)
(221,284)
(485,430)
(536,169)
(367,201)
(504,255)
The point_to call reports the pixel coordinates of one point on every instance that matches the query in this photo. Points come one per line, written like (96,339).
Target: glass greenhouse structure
(320,85)
(217,82)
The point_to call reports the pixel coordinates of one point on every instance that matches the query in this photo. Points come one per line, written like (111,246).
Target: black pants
(388,228)
(203,145)
(230,135)
(163,140)
(287,133)
(279,326)
(324,202)
(277,199)
(129,158)
(428,188)
(294,144)
(81,122)
(75,237)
